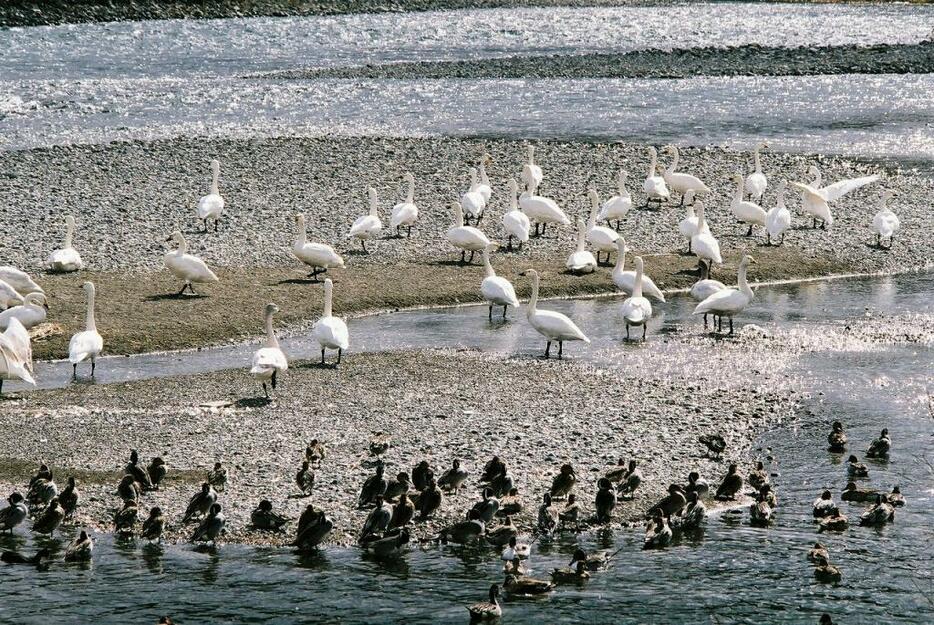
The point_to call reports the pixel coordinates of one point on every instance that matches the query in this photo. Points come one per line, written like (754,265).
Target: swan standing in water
(636,309)
(465,237)
(67,259)
(211,206)
(87,344)
(269,360)
(625,281)
(30,313)
(654,186)
(729,302)
(19,280)
(581,261)
(885,222)
(532,174)
(703,244)
(689,226)
(318,256)
(705,287)
(618,206)
(405,213)
(542,210)
(185,266)
(778,219)
(601,238)
(9,296)
(679,182)
(15,354)
(515,222)
(330,331)
(816,199)
(369,226)
(746,212)
(473,201)
(496,290)
(756,182)
(552,325)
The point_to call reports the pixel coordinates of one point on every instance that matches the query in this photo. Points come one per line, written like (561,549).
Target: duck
(547,516)
(405,213)
(368,226)
(818,552)
(154,525)
(696,485)
(374,487)
(879,448)
(486,610)
(515,222)
(689,226)
(217,476)
(826,572)
(896,498)
(315,452)
(636,309)
(594,561)
(855,468)
(606,500)
(80,549)
(760,514)
(38,559)
(731,485)
(397,487)
(746,212)
(671,504)
(19,280)
(263,518)
(581,261)
(552,325)
(542,210)
(625,281)
(658,533)
(200,504)
(329,331)
(186,267)
(835,523)
(631,481)
(319,256)
(128,489)
(694,513)
(758,477)
(852,492)
(464,532)
(492,468)
(430,500)
(314,527)
(816,199)
(729,302)
(211,526)
(496,290)
(420,475)
(527,586)
(487,507)
(885,223)
(714,444)
(679,182)
(619,205)
(778,219)
(87,344)
(377,521)
(502,484)
(14,514)
(305,479)
(390,545)
(513,555)
(453,478)
(564,482)
(269,361)
(211,206)
(9,296)
(125,519)
(41,490)
(570,514)
(617,472)
(402,512)
(824,506)
(49,519)
(767,495)
(571,575)
(880,513)
(69,498)
(66,259)
(601,238)
(756,182)
(510,504)
(157,471)
(837,438)
(703,244)
(15,354)
(30,313)
(379,443)
(532,174)
(473,201)
(654,186)
(465,238)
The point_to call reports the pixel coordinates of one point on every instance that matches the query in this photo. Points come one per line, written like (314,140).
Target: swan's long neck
(581,233)
(701,221)
(182,245)
(758,161)
(674,161)
(741,280)
(373,205)
(817,179)
(531,155)
(300,237)
(704,271)
(458,215)
(533,301)
(620,257)
(514,199)
(653,164)
(483,177)
(473,177)
(486,264)
(328,298)
(594,209)
(622,185)
(215,177)
(410,196)
(69,233)
(738,194)
(637,288)
(271,340)
(90,323)
(781,197)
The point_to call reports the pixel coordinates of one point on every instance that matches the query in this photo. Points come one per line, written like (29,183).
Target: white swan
(185,266)
(269,360)
(581,261)
(483,187)
(318,256)
(625,281)
(618,206)
(67,259)
(680,182)
(515,222)
(756,182)
(330,331)
(885,222)
(729,302)
(368,226)
(405,213)
(19,280)
(211,206)
(705,287)
(542,210)
(9,296)
(465,238)
(703,244)
(496,290)
(816,199)
(552,325)
(472,201)
(15,363)
(689,226)
(654,186)
(636,309)
(30,313)
(601,238)
(778,219)
(746,212)
(532,174)
(88,343)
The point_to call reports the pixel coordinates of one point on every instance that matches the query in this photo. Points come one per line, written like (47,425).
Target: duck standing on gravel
(502,484)
(564,482)
(154,525)
(186,267)
(453,478)
(14,514)
(571,513)
(492,468)
(880,514)
(880,447)
(378,520)
(49,519)
(397,487)
(714,444)
(139,475)
(487,507)
(128,489)
(464,532)
(671,504)
(269,361)
(305,479)
(69,498)
(606,500)
(697,485)
(211,526)
(313,528)
(430,500)
(855,468)
(380,444)
(630,482)
(80,549)
(315,452)
(374,487)
(263,518)
(126,518)
(200,504)
(824,506)
(157,472)
(420,475)
(836,440)
(402,512)
(731,485)
(217,477)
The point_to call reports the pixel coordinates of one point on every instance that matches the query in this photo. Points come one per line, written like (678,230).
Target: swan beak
(753,260)
(45,305)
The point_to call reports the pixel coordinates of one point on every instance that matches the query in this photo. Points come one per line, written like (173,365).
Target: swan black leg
(627,331)
(705,321)
(618,226)
(463,256)
(689,246)
(322,355)
(93,366)
(544,227)
(547,348)
(644,329)
(265,390)
(782,240)
(409,235)
(216,222)
(340,352)
(560,350)
(273,380)
(74,372)
(749,232)
(470,262)
(509,244)
(182,292)
(504,311)
(363,243)
(768,238)
(731,326)
(490,316)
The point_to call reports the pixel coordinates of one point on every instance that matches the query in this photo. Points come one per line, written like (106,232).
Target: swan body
(87,344)
(483,187)
(636,309)
(21,342)
(680,182)
(601,238)
(729,302)
(67,259)
(625,281)
(703,244)
(465,238)
(473,200)
(705,287)
(689,226)
(778,219)
(185,266)
(746,212)
(552,325)
(269,360)
(15,356)
(581,261)
(885,222)
(654,186)
(515,222)
(368,226)
(30,313)
(19,280)
(618,206)
(496,290)
(318,256)
(211,206)
(756,182)
(816,199)
(9,296)
(532,174)
(330,331)
(405,213)
(542,210)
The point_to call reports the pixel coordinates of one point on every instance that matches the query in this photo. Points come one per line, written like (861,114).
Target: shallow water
(749,575)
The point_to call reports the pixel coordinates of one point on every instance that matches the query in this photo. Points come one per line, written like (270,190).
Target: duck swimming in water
(157,472)
(263,518)
(390,545)
(80,549)
(855,468)
(837,438)
(835,523)
(574,574)
(125,519)
(693,515)
(671,504)
(14,514)
(758,476)
(880,447)
(658,533)
(817,552)
(527,586)
(880,514)
(503,533)
(895,497)
(853,493)
(570,514)
(825,572)
(824,506)
(731,485)
(547,516)
(464,532)
(154,525)
(606,500)
(486,610)
(12,557)
(211,526)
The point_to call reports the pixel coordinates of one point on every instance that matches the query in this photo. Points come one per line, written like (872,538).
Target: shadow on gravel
(172,296)
(253,402)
